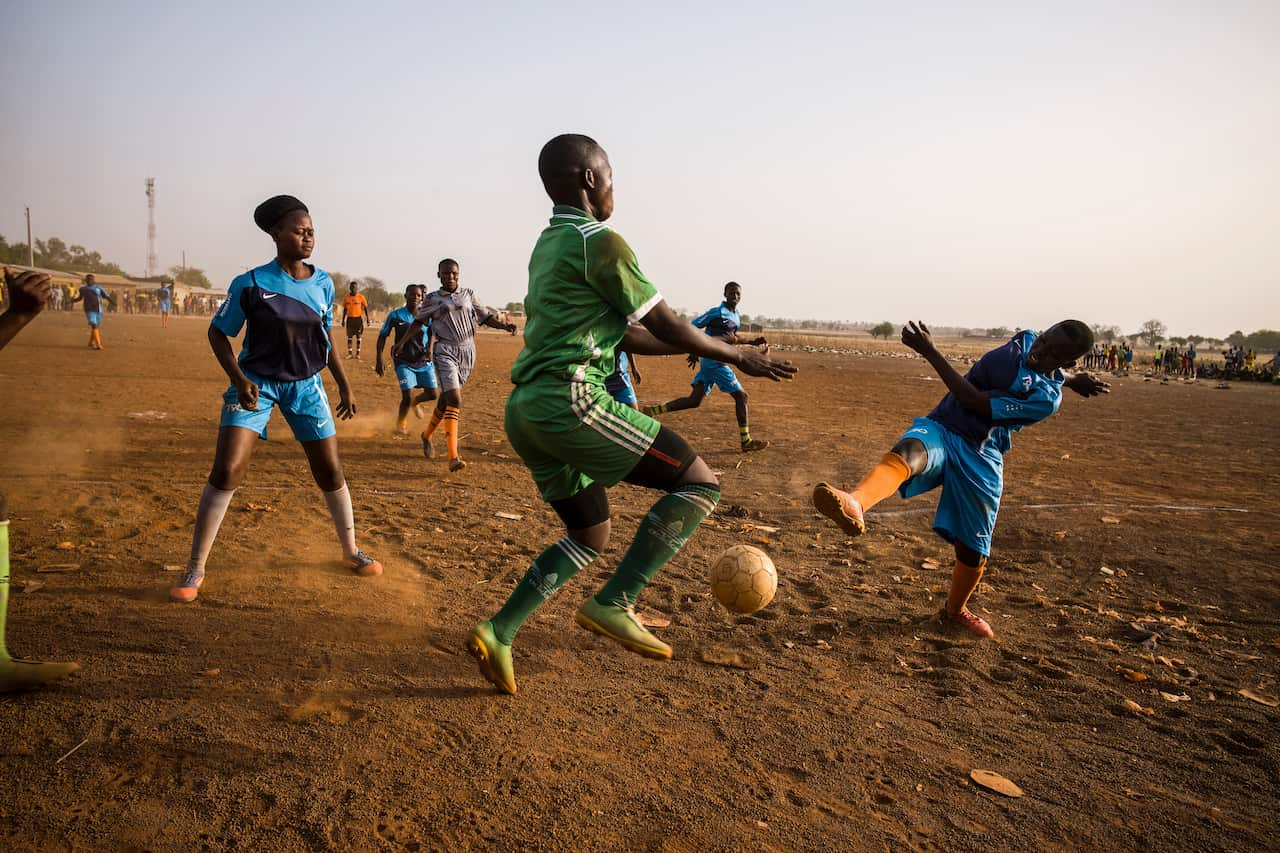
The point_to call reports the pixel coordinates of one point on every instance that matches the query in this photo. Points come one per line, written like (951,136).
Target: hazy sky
(967,163)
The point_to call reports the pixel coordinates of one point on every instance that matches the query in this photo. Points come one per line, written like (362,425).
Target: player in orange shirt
(354,309)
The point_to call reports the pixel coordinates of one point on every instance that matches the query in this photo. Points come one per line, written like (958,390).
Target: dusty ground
(345,714)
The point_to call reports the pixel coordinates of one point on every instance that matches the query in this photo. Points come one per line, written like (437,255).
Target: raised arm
(918,339)
(28,293)
(674,335)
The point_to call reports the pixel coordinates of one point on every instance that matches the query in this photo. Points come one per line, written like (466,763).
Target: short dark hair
(1078,333)
(730,284)
(440,265)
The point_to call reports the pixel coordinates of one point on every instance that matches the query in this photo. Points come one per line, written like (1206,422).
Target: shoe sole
(427,450)
(827,502)
(756,448)
(643,650)
(477,649)
(456,465)
(370,571)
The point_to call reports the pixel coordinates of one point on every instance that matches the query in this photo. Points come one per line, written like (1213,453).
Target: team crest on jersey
(1026,383)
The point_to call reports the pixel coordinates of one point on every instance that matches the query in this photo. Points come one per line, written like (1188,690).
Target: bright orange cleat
(187,587)
(841,507)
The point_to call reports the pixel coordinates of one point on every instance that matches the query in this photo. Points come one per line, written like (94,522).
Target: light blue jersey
(288,320)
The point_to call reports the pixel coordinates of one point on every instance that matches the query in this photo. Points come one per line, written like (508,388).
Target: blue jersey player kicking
(286,309)
(722,322)
(960,446)
(413,361)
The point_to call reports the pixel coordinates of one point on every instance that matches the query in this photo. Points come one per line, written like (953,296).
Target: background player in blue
(721,322)
(94,298)
(287,307)
(412,362)
(618,383)
(960,446)
(164,296)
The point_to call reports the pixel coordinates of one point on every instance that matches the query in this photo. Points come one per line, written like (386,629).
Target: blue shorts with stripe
(716,374)
(94,318)
(416,377)
(971,480)
(304,404)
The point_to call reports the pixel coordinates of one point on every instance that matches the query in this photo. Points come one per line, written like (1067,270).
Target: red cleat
(972,623)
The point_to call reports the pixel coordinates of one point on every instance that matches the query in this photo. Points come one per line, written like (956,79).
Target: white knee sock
(213,507)
(344,520)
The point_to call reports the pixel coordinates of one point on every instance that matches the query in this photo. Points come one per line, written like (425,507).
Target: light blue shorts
(716,374)
(416,377)
(304,404)
(94,318)
(620,388)
(164,306)
(972,481)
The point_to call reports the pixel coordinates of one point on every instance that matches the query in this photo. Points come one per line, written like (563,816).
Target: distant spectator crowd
(1111,357)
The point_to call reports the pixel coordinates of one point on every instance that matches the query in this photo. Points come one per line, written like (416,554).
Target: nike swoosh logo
(270,295)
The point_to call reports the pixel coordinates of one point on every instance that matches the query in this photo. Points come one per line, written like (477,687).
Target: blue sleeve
(386,324)
(1037,405)
(704,320)
(327,319)
(229,318)
(426,330)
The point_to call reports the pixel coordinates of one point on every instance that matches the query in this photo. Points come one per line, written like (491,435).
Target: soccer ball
(744,579)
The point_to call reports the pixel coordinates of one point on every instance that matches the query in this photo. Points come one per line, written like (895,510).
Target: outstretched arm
(918,339)
(676,336)
(1087,385)
(493,322)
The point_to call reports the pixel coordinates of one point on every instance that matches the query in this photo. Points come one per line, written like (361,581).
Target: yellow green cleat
(620,624)
(493,657)
(26,674)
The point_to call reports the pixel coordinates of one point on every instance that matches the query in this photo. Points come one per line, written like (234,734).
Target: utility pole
(152,258)
(184,261)
(31,252)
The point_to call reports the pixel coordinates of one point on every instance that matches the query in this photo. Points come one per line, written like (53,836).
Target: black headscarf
(268,214)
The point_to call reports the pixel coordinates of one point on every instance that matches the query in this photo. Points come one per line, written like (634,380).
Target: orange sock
(964,580)
(96,337)
(451,431)
(884,479)
(436,417)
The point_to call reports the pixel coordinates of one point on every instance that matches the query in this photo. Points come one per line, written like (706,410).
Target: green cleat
(26,674)
(621,625)
(493,657)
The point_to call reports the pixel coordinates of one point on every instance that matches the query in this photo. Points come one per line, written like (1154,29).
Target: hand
(377,366)
(758,364)
(511,327)
(28,291)
(761,342)
(917,338)
(346,404)
(692,360)
(247,392)
(1086,385)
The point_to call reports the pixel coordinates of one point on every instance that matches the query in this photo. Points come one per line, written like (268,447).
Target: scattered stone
(65,546)
(1133,706)
(1131,674)
(210,673)
(993,781)
(1170,697)
(509,516)
(1259,698)
(1110,519)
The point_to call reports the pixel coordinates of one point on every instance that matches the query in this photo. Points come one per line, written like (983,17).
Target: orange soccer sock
(883,480)
(436,417)
(964,580)
(96,337)
(451,430)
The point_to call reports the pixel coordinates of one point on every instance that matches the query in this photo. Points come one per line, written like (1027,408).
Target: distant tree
(999,332)
(1152,331)
(1237,338)
(1263,340)
(1105,333)
(519,307)
(1196,340)
(55,254)
(1180,341)
(192,276)
(883,330)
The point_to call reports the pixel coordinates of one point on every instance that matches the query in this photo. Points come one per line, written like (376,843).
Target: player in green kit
(585,291)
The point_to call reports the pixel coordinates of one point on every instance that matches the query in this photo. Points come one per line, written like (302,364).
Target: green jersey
(585,288)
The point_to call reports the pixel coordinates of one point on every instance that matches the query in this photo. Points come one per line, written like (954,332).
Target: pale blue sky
(968,163)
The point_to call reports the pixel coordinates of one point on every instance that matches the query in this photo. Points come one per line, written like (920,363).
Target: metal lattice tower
(153,259)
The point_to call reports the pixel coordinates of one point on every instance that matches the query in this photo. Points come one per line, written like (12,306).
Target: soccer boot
(188,586)
(364,565)
(841,507)
(25,674)
(753,444)
(621,625)
(971,622)
(427,450)
(493,657)
(456,464)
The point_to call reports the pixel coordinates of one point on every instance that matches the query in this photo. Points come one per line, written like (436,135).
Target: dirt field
(296,706)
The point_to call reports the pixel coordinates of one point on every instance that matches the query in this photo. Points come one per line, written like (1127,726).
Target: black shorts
(355,326)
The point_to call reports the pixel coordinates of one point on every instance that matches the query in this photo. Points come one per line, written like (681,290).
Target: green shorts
(573,434)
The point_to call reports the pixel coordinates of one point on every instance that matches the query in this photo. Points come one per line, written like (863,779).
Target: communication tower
(152,257)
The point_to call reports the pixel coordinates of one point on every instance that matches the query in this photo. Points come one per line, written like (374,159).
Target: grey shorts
(454,363)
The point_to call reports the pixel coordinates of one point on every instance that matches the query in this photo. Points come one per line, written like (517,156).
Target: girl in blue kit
(286,307)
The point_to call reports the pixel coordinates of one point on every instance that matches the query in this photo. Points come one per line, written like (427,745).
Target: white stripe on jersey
(636,315)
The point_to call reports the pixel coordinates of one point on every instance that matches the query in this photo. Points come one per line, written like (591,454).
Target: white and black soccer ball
(743,579)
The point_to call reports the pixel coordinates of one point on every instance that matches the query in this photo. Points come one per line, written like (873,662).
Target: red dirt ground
(344,713)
